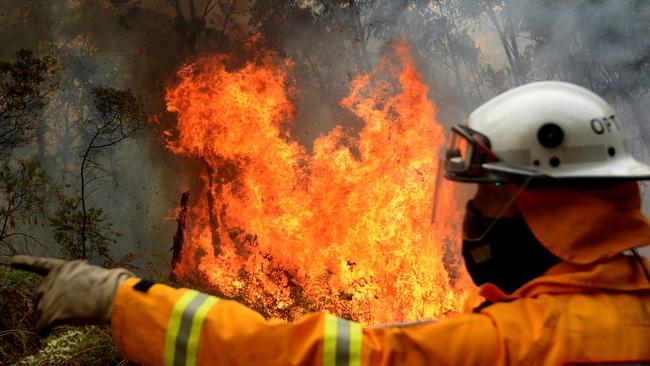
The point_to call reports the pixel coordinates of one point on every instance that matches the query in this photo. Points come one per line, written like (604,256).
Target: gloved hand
(73,291)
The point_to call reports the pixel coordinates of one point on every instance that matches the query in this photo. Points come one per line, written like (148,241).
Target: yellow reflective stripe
(356,335)
(329,341)
(175,324)
(197,327)
(341,342)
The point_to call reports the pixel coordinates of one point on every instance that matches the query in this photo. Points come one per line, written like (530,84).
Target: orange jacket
(572,315)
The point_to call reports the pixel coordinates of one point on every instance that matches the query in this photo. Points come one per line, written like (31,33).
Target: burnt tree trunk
(177,247)
(212,210)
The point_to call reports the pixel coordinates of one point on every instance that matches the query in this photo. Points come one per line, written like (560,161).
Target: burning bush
(347,227)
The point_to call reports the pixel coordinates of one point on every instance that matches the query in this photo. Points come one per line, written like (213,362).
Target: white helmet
(546,129)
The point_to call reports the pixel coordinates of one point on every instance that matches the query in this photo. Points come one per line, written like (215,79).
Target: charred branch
(179,237)
(213,189)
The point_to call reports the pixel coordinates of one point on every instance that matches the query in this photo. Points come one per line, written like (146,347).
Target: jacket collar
(620,274)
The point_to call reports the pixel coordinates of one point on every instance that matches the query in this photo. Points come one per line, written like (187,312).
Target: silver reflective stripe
(185,328)
(341,342)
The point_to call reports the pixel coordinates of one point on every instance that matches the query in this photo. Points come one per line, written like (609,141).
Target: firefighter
(547,237)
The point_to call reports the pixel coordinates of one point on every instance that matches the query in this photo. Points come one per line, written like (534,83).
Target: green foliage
(21,98)
(23,187)
(118,116)
(68,226)
(110,101)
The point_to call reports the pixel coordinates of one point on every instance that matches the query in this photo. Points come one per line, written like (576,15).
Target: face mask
(507,255)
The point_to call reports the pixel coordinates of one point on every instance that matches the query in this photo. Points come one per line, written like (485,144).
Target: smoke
(469,53)
(601,45)
(93,49)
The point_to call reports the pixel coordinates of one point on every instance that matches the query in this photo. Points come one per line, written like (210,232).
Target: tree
(504,17)
(193,18)
(21,98)
(118,116)
(80,228)
(79,232)
(23,187)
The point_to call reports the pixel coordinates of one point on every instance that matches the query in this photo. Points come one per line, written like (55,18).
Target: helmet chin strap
(636,254)
(510,202)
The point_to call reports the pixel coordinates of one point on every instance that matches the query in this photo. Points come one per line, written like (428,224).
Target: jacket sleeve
(160,325)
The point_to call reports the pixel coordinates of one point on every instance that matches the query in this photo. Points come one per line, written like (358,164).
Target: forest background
(84,173)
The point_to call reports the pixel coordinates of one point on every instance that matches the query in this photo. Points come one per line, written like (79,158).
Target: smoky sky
(602,45)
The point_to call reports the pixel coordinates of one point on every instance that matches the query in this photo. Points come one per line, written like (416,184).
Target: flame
(347,227)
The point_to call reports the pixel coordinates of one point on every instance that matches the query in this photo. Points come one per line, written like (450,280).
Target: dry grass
(66,345)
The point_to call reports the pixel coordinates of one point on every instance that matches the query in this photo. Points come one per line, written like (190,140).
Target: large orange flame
(347,228)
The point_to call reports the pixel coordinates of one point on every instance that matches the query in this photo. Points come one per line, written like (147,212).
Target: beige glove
(73,291)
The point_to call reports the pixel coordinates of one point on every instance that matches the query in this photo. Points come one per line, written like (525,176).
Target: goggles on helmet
(468,150)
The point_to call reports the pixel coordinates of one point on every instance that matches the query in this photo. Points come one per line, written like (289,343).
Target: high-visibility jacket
(587,315)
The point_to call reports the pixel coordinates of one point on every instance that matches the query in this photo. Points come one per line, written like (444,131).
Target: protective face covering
(502,251)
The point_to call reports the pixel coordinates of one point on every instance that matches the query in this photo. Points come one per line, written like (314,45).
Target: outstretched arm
(155,324)
(158,325)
